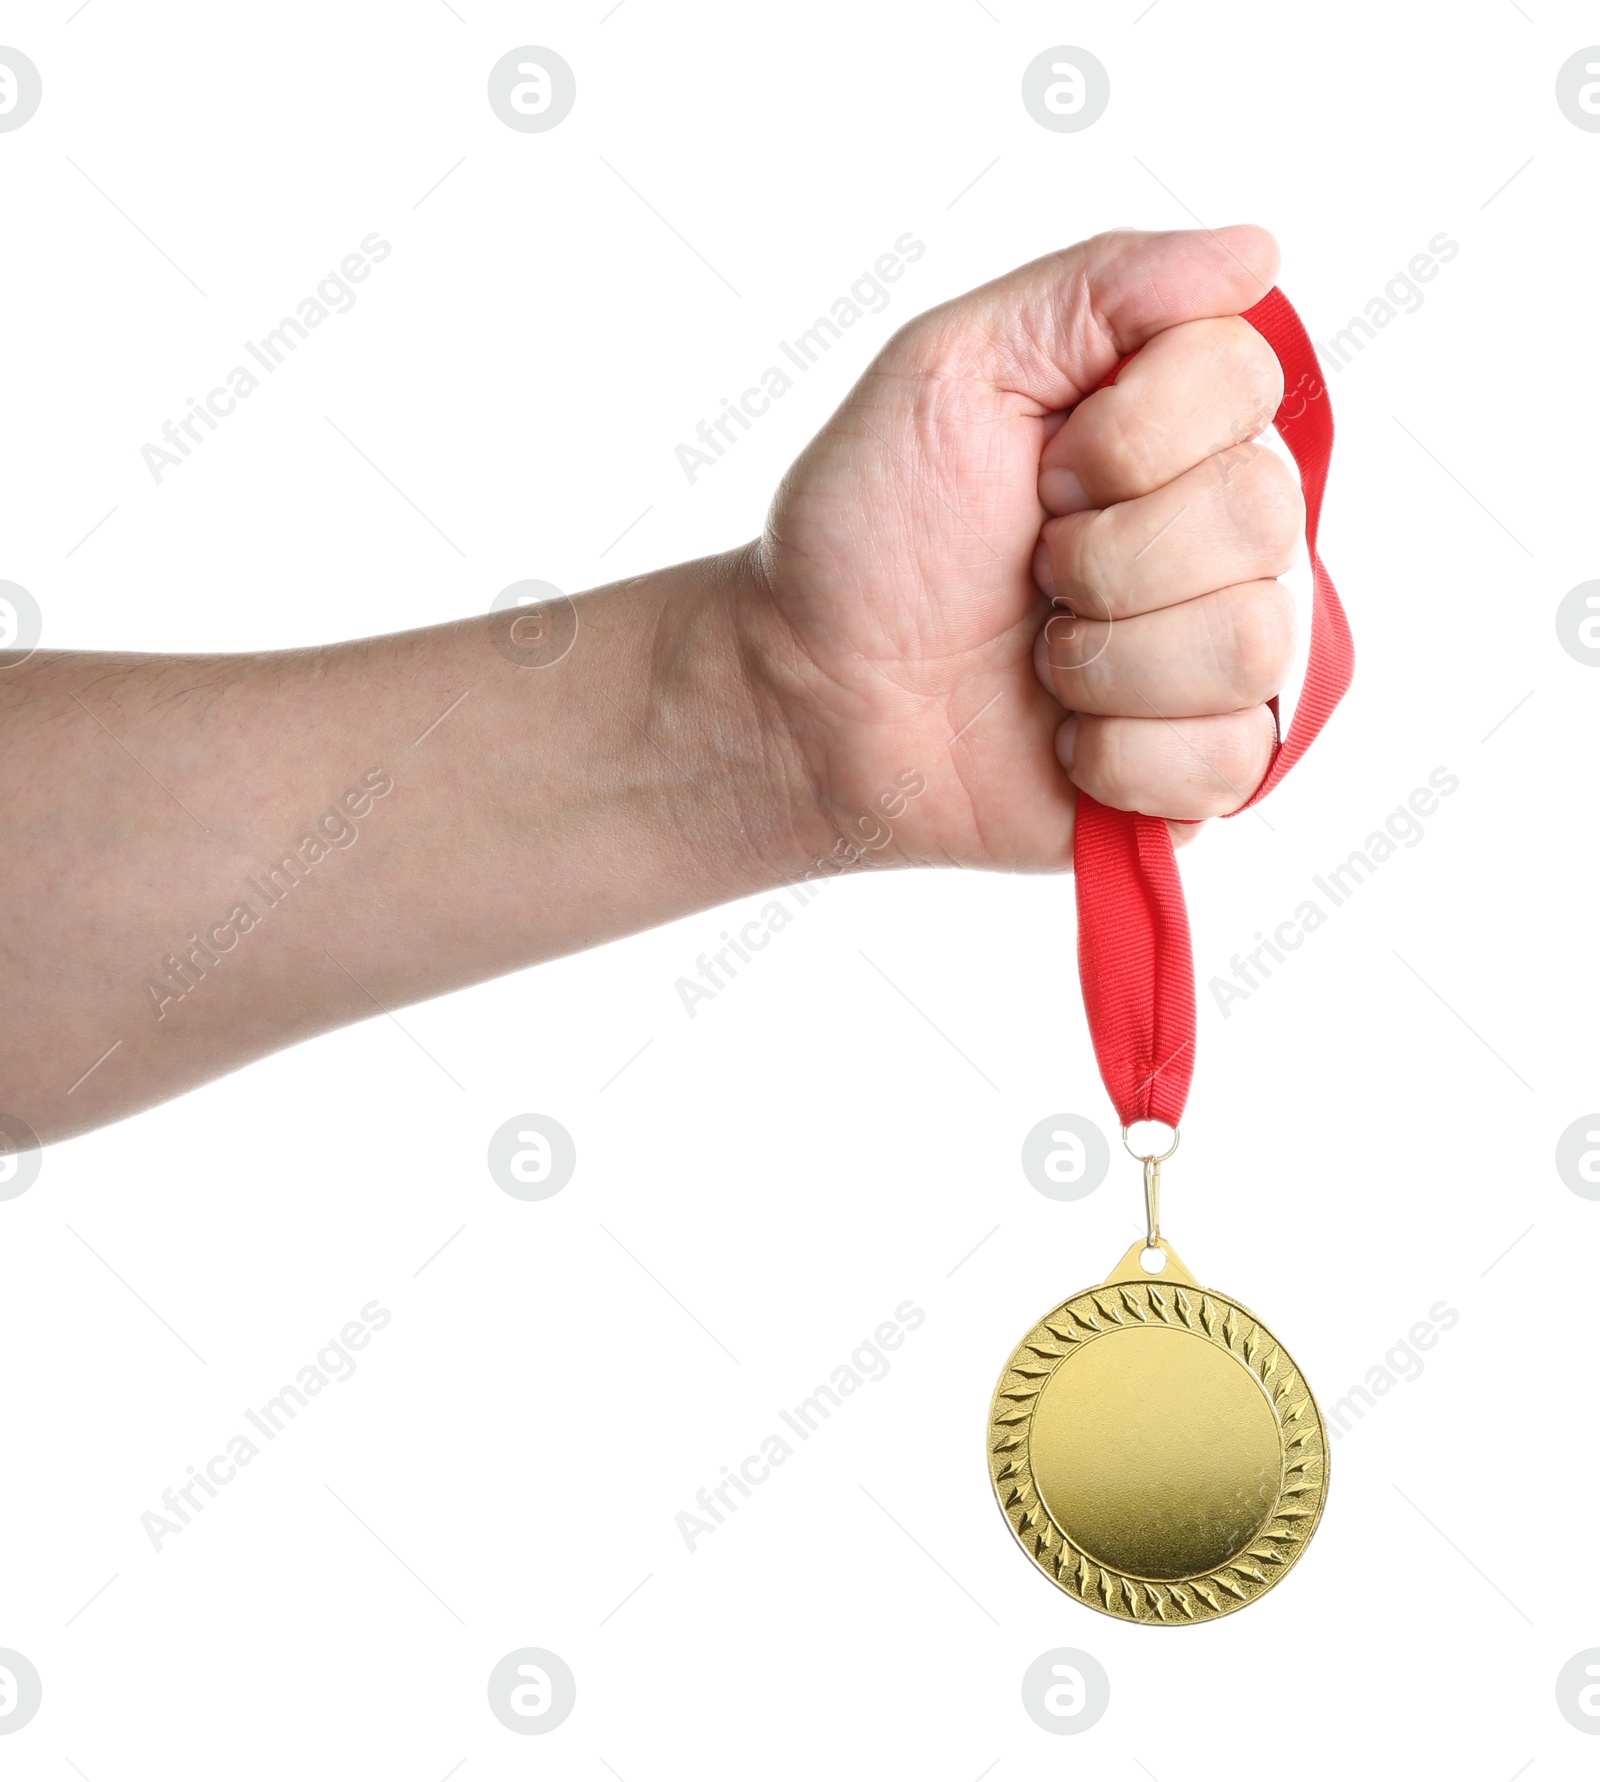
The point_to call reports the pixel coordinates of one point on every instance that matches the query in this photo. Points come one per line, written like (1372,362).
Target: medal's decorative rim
(1302,1442)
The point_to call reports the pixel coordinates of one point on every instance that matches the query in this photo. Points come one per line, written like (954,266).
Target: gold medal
(1154,1447)
(1152,1444)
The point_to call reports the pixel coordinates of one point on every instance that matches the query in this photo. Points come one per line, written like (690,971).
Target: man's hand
(211,857)
(904,592)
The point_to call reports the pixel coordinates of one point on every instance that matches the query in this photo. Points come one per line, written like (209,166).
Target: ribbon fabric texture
(1134,954)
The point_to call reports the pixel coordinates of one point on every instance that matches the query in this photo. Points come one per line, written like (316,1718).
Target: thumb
(1054,328)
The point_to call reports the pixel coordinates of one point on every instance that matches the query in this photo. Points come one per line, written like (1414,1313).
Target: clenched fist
(989,571)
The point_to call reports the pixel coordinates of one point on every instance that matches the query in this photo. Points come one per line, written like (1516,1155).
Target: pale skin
(716,729)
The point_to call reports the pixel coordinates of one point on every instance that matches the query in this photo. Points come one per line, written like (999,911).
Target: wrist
(751,804)
(841,780)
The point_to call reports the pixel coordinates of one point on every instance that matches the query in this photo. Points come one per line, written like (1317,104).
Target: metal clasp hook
(1152,1161)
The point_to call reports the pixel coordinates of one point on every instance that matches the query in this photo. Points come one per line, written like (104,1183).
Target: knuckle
(1135,764)
(1259,619)
(1250,372)
(1233,757)
(1125,451)
(1268,510)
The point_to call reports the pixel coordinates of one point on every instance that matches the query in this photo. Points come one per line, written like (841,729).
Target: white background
(808,1152)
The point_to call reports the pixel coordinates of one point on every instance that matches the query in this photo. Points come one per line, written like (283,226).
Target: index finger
(1192,392)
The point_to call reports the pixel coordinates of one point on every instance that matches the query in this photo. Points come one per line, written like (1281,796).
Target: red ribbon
(1134,955)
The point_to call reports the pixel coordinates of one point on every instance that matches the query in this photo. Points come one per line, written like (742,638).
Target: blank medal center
(1156,1451)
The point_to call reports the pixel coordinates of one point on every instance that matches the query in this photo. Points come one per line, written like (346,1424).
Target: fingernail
(1044,577)
(1061,492)
(1067,742)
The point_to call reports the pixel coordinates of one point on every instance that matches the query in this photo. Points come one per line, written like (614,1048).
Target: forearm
(205,859)
(212,857)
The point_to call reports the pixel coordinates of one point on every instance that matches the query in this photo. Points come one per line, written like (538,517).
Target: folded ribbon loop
(1134,954)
